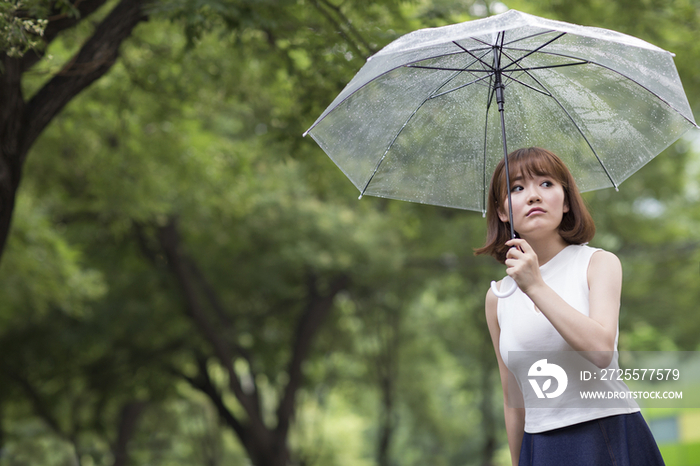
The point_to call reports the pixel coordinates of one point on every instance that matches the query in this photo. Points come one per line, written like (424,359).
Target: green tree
(23,120)
(180,252)
(277,254)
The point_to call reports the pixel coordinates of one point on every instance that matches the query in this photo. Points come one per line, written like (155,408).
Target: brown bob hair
(576,226)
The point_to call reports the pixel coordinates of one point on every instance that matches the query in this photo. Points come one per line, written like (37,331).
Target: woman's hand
(523,265)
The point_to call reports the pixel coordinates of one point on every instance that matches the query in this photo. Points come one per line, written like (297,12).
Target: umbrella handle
(505,293)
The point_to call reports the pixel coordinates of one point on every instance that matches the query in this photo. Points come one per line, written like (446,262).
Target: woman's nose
(534,196)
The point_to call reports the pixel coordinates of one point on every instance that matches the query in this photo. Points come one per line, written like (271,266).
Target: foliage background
(196,130)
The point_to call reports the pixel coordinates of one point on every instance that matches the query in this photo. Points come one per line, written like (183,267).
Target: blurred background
(188,281)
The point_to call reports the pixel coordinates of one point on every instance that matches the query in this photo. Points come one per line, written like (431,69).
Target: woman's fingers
(521,263)
(517,249)
(515,241)
(520,244)
(520,254)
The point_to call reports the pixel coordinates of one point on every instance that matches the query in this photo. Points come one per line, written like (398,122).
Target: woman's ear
(503,216)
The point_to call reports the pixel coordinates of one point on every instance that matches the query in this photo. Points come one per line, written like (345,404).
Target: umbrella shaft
(499,91)
(499,88)
(505,155)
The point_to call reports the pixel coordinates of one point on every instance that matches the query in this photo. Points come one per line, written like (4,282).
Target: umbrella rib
(553,66)
(474,56)
(514,40)
(646,89)
(530,36)
(489,101)
(438,68)
(522,83)
(605,169)
(459,70)
(434,96)
(318,121)
(590,62)
(477,40)
(515,63)
(391,144)
(522,71)
(582,62)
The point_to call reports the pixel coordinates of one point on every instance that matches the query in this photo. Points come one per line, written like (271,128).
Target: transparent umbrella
(419,121)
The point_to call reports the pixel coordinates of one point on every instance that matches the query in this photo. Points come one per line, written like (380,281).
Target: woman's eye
(516,188)
(547,184)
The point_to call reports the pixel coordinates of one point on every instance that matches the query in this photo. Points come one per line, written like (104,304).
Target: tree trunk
(12,113)
(22,122)
(128,420)
(266,446)
(387,424)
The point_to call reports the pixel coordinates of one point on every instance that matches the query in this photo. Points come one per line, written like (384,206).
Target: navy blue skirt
(622,440)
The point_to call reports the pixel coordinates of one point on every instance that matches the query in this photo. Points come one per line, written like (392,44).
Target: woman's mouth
(535,210)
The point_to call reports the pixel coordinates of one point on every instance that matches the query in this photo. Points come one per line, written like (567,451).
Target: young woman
(568,299)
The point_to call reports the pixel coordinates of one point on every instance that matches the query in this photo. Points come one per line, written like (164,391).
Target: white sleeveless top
(523,328)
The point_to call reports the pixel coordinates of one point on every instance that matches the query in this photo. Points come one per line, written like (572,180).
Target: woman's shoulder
(587,252)
(491,299)
(601,257)
(604,265)
(592,260)
(491,304)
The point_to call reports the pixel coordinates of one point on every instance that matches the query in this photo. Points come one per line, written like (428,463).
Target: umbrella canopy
(419,121)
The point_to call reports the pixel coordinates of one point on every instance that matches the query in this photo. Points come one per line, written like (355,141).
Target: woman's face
(539,204)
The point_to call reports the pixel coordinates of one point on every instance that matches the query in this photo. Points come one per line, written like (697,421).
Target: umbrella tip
(617,189)
(483,214)
(360,197)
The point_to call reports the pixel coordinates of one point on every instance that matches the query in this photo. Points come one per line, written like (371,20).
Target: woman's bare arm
(514,417)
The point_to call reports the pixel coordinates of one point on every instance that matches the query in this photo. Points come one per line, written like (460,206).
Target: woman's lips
(535,210)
